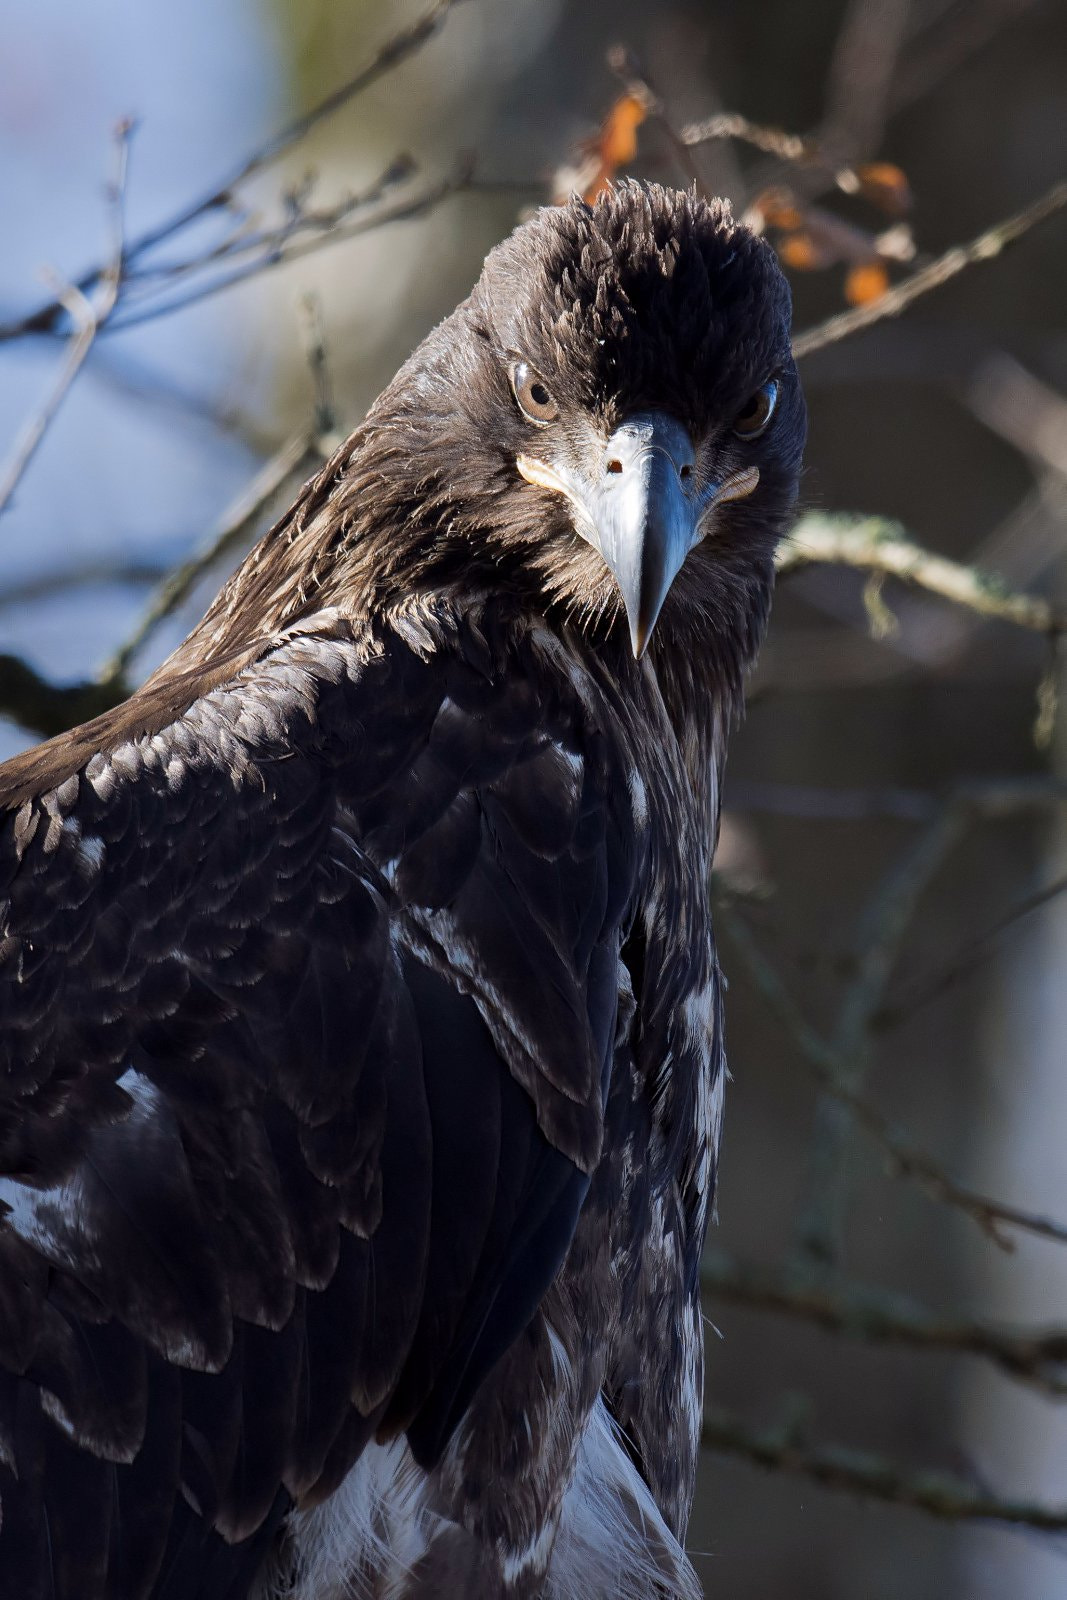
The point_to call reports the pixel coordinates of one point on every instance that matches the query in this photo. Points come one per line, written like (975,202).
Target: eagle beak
(644,517)
(645,513)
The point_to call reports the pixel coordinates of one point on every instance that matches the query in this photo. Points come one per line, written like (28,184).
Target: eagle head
(613,418)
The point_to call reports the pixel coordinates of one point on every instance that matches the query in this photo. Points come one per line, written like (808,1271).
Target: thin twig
(945,43)
(992,1216)
(985,247)
(794,148)
(804,152)
(87,318)
(48,708)
(987,798)
(118,570)
(628,69)
(861,75)
(883,925)
(314,335)
(246,241)
(331,233)
(402,44)
(238,522)
(877,544)
(1029,414)
(874,1316)
(965,961)
(939,1494)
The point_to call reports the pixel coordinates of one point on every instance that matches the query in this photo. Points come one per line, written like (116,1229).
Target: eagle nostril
(685,472)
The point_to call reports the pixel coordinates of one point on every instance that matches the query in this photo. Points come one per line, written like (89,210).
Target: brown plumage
(359,1009)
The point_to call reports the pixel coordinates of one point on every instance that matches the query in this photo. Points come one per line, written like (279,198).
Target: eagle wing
(308,993)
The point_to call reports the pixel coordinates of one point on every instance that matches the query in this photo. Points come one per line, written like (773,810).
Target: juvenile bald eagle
(359,1011)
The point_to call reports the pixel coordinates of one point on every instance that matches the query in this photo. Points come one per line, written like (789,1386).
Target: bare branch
(327,231)
(876,544)
(811,802)
(861,75)
(873,1316)
(883,924)
(47,708)
(988,798)
(1029,414)
(803,151)
(247,241)
(314,333)
(47,318)
(819,166)
(627,68)
(239,521)
(792,147)
(944,44)
(965,961)
(402,44)
(992,1216)
(87,319)
(985,247)
(86,575)
(939,1494)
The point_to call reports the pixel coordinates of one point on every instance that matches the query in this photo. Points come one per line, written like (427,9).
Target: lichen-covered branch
(877,544)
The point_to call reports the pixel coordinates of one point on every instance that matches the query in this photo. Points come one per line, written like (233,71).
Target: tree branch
(239,521)
(872,1316)
(830,1072)
(86,575)
(883,924)
(402,44)
(986,798)
(861,74)
(49,708)
(964,962)
(87,319)
(985,247)
(876,544)
(939,1494)
(631,74)
(278,249)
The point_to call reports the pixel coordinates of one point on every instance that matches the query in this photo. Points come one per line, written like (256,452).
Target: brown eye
(535,401)
(754,418)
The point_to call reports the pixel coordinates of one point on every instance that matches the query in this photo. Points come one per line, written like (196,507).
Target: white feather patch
(613,1544)
(367,1537)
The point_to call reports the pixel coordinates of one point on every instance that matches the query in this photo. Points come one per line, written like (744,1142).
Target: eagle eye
(754,417)
(533,395)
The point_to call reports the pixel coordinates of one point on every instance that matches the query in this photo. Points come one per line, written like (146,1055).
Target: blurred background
(893,842)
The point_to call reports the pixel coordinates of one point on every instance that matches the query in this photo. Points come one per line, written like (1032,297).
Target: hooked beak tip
(639,639)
